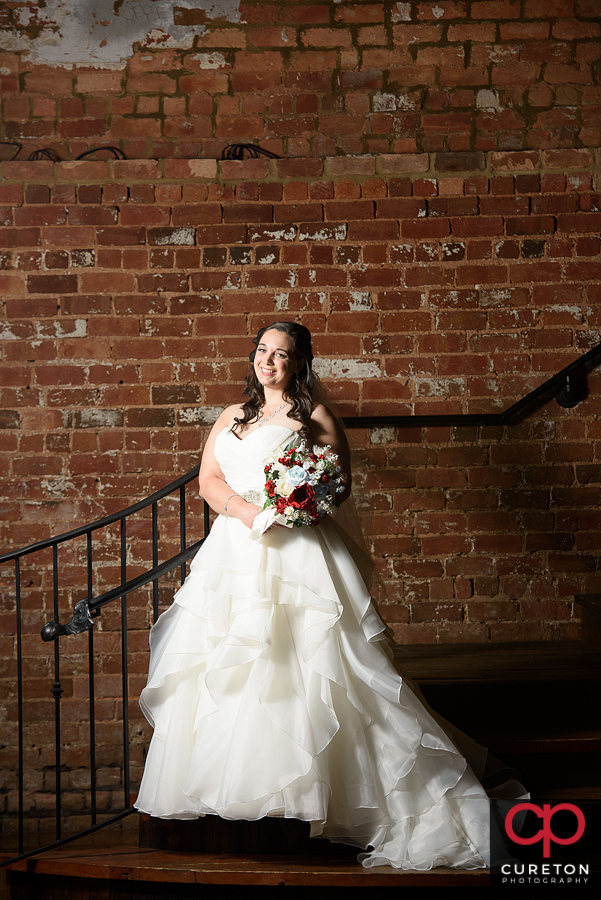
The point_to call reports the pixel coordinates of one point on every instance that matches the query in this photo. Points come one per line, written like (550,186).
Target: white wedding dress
(271,693)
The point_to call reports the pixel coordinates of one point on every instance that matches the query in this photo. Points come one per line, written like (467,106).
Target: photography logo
(545,844)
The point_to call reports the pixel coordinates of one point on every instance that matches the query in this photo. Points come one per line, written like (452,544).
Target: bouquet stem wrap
(264,520)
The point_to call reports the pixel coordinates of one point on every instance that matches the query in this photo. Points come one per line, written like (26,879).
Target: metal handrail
(106,520)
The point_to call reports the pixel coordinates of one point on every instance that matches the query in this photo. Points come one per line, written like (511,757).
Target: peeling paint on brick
(214,60)
(199,415)
(322,233)
(272,234)
(384,435)
(99,33)
(58,487)
(182,236)
(360,300)
(346,368)
(98,418)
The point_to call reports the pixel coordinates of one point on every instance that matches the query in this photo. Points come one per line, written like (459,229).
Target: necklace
(262,420)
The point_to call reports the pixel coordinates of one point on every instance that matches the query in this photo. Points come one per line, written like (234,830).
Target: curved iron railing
(569,388)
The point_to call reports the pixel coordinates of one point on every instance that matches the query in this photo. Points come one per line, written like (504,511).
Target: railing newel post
(21,774)
(57,691)
(124,663)
(92,686)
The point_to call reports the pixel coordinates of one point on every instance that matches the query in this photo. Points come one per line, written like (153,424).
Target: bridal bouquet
(300,487)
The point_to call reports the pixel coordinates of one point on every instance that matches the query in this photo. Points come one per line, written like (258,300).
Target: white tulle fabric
(271,694)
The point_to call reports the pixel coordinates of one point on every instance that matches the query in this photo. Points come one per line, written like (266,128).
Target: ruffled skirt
(271,693)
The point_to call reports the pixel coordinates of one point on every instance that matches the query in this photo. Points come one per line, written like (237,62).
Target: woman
(270,689)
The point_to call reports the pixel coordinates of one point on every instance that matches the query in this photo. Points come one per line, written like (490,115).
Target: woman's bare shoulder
(226,419)
(322,415)
(230,412)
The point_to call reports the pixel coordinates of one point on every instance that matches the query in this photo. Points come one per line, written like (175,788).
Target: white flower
(284,488)
(296,476)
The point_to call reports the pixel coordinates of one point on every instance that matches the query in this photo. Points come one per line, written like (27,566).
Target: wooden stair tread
(526,662)
(134,864)
(568,793)
(541,740)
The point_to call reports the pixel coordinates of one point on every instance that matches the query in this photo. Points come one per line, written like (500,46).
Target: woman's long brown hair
(300,390)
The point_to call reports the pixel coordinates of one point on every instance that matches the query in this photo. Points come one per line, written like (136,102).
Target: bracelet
(227,501)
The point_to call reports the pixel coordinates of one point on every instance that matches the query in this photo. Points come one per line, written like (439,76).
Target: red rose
(270,486)
(280,504)
(302,497)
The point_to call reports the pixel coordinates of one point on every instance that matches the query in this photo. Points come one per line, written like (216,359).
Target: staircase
(534,705)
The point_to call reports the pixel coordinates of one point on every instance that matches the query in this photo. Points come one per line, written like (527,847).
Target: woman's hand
(243,511)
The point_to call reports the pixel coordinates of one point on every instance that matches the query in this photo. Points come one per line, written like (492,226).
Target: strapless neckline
(263,428)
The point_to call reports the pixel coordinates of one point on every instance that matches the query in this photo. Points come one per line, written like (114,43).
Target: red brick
(579,223)
(118,237)
(52,284)
(340,210)
(306,15)
(583,271)
(530,225)
(40,215)
(452,10)
(221,234)
(373,231)
(320,277)
(326,37)
(145,215)
(258,13)
(546,9)
(377,277)
(204,214)
(483,32)
(399,209)
(294,212)
(477,227)
(425,228)
(268,278)
(248,212)
(93,215)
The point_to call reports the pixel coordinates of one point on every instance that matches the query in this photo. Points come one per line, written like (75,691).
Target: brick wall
(310,78)
(451,268)
(431,282)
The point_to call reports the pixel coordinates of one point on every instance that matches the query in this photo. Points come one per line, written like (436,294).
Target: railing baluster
(155,560)
(207,521)
(56,692)
(92,687)
(124,666)
(20,698)
(182,528)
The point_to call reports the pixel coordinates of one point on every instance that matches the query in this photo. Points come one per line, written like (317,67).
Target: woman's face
(274,360)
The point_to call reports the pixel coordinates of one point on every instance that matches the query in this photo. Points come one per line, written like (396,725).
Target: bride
(270,689)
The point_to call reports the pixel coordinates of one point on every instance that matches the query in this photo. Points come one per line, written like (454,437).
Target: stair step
(551,741)
(589,794)
(521,663)
(65,873)
(212,834)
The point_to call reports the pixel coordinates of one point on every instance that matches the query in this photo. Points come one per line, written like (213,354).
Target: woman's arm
(329,431)
(213,486)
